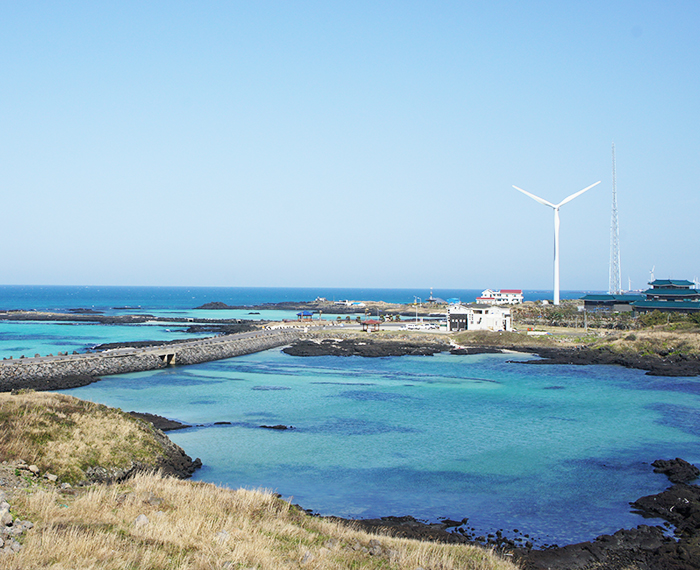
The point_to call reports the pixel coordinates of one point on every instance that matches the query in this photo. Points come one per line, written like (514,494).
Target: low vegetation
(67,436)
(155,522)
(568,315)
(152,522)
(502,339)
(658,341)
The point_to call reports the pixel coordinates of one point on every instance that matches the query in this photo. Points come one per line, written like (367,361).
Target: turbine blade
(565,200)
(536,198)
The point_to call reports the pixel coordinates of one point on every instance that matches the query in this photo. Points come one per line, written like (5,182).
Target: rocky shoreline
(159,422)
(670,365)
(647,547)
(367,347)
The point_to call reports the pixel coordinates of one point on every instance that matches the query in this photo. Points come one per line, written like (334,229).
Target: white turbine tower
(556,207)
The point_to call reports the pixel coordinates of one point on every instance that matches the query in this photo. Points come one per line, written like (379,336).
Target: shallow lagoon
(554,451)
(28,338)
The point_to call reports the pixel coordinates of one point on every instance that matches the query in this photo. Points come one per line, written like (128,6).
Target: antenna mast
(615,285)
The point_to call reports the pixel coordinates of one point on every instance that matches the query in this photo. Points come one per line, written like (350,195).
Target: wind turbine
(556,207)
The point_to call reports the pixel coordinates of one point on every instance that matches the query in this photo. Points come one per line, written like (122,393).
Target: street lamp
(416,302)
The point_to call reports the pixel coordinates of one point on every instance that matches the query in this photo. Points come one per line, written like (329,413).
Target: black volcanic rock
(139,344)
(159,422)
(364,347)
(677,470)
(55,383)
(643,548)
(216,305)
(409,527)
(176,462)
(670,365)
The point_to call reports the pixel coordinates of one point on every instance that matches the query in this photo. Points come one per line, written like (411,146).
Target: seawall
(67,371)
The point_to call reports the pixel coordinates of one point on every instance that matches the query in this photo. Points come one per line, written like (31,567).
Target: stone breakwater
(69,371)
(246,343)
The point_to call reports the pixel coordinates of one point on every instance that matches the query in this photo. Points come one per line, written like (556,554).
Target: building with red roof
(502,297)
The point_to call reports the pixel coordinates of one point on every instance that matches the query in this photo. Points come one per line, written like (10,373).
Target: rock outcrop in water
(677,470)
(644,548)
(670,365)
(159,422)
(366,347)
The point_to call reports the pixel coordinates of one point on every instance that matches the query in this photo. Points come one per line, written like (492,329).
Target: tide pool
(555,451)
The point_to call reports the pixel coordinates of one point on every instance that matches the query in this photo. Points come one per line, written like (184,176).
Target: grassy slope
(190,525)
(660,341)
(510,339)
(66,436)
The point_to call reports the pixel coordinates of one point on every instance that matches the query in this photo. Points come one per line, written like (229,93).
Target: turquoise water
(30,338)
(554,451)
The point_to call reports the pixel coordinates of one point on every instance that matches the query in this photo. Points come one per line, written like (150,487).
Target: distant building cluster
(666,295)
(502,297)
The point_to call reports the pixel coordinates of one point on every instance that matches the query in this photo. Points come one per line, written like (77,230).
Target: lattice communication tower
(615,286)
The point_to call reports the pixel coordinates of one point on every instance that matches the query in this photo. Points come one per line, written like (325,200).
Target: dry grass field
(153,522)
(67,436)
(662,341)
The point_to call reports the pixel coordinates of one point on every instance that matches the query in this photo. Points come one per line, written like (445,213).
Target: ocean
(114,300)
(557,452)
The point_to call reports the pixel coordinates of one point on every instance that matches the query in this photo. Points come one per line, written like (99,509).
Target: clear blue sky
(346,143)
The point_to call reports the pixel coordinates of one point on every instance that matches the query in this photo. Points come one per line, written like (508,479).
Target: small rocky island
(369,347)
(329,307)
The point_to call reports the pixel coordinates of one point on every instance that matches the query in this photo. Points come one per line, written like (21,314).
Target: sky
(347,143)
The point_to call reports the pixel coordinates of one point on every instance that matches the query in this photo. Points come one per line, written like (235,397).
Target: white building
(478,318)
(353,304)
(502,297)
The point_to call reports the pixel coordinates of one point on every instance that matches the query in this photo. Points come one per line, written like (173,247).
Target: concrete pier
(46,372)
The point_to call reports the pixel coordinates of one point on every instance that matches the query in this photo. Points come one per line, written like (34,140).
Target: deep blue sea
(155,299)
(557,452)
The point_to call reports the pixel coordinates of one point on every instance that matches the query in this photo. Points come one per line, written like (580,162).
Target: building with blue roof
(666,295)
